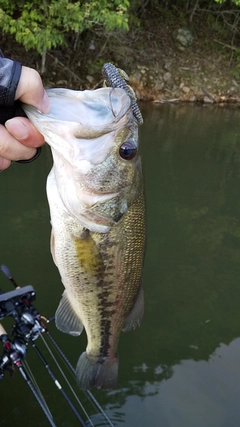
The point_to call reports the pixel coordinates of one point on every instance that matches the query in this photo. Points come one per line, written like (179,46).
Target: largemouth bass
(95,194)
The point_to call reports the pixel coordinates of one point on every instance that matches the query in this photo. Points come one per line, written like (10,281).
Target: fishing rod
(31,320)
(14,352)
(57,383)
(28,327)
(65,359)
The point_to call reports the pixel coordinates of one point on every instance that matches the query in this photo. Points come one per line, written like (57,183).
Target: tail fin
(92,372)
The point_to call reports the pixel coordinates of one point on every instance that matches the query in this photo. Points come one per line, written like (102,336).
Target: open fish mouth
(93,109)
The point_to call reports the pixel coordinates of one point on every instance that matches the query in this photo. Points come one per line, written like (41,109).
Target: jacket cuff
(10,72)
(13,83)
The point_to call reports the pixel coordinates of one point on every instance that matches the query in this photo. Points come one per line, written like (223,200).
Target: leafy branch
(44,24)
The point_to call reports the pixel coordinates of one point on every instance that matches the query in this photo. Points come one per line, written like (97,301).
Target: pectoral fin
(66,319)
(52,246)
(135,316)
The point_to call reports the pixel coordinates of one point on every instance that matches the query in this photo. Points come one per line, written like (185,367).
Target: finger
(31,91)
(23,130)
(12,149)
(4,163)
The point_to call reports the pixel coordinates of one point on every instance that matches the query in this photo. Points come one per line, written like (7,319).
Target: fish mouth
(101,106)
(76,117)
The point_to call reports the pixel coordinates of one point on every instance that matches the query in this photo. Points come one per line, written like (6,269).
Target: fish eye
(128,149)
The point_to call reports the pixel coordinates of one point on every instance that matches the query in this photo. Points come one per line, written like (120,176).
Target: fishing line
(34,391)
(88,392)
(72,371)
(29,371)
(56,382)
(110,101)
(27,328)
(67,381)
(13,352)
(99,407)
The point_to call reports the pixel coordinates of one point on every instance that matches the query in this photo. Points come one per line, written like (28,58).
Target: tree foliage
(43,24)
(237,2)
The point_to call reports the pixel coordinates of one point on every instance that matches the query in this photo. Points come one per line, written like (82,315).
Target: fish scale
(96,199)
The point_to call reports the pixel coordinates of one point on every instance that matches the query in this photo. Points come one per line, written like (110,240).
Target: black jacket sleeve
(10,72)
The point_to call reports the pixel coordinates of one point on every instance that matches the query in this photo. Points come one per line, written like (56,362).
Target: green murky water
(181,368)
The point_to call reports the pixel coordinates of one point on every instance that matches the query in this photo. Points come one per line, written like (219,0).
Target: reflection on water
(198,394)
(181,367)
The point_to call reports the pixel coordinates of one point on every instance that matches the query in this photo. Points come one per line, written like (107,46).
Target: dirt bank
(162,68)
(200,72)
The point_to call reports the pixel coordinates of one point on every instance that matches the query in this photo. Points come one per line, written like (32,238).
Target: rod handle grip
(2,330)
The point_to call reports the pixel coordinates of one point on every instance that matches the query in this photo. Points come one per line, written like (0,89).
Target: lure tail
(96,372)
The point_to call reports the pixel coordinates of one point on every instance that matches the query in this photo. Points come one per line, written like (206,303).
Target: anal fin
(135,316)
(66,319)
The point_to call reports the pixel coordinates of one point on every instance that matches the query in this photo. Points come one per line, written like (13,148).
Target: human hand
(19,138)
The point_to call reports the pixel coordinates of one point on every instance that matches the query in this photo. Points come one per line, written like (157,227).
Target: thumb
(31,91)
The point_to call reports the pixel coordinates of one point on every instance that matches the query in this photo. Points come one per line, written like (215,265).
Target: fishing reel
(13,353)
(17,304)
(27,328)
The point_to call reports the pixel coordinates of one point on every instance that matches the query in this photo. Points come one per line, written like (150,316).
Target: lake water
(181,368)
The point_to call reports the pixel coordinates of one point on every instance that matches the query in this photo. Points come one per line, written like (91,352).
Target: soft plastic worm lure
(116,78)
